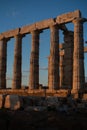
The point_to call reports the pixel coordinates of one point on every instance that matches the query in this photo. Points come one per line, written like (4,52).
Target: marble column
(17,72)
(34,61)
(61,70)
(3,61)
(53,63)
(78,56)
(68,58)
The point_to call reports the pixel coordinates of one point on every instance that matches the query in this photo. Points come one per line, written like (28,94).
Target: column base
(75,93)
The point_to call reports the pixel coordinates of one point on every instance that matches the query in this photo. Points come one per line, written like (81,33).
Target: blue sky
(18,13)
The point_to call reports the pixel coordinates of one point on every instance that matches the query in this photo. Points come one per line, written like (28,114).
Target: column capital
(3,38)
(36,31)
(54,26)
(78,55)
(19,35)
(79,20)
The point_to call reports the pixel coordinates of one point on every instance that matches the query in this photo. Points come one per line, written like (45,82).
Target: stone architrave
(3,61)
(17,72)
(53,63)
(34,61)
(68,58)
(78,56)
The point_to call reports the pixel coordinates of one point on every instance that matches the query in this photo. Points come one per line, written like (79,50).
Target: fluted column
(61,70)
(53,65)
(17,72)
(34,61)
(3,61)
(78,56)
(68,58)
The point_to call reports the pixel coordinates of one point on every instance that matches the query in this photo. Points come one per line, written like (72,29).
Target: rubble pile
(37,103)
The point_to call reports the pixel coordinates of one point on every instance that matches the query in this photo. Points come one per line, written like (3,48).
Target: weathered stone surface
(85,96)
(52,101)
(85,49)
(78,56)
(68,59)
(1,100)
(66,18)
(3,60)
(28,28)
(34,62)
(45,24)
(38,25)
(61,70)
(29,101)
(61,46)
(53,65)
(17,72)
(13,102)
(1,36)
(10,33)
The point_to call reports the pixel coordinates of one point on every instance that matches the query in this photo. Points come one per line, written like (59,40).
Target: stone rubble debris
(36,103)
(13,102)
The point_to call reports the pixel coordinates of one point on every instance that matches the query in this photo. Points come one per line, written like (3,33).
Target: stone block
(13,102)
(11,33)
(65,18)
(84,96)
(27,29)
(85,49)
(52,100)
(45,24)
(1,100)
(1,36)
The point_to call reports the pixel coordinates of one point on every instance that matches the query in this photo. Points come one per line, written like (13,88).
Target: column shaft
(68,58)
(53,65)
(34,62)
(3,60)
(78,57)
(17,72)
(61,70)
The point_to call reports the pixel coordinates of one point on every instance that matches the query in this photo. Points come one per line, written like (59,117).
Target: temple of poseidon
(65,61)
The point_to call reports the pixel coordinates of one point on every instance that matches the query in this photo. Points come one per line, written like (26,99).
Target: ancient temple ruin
(65,62)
